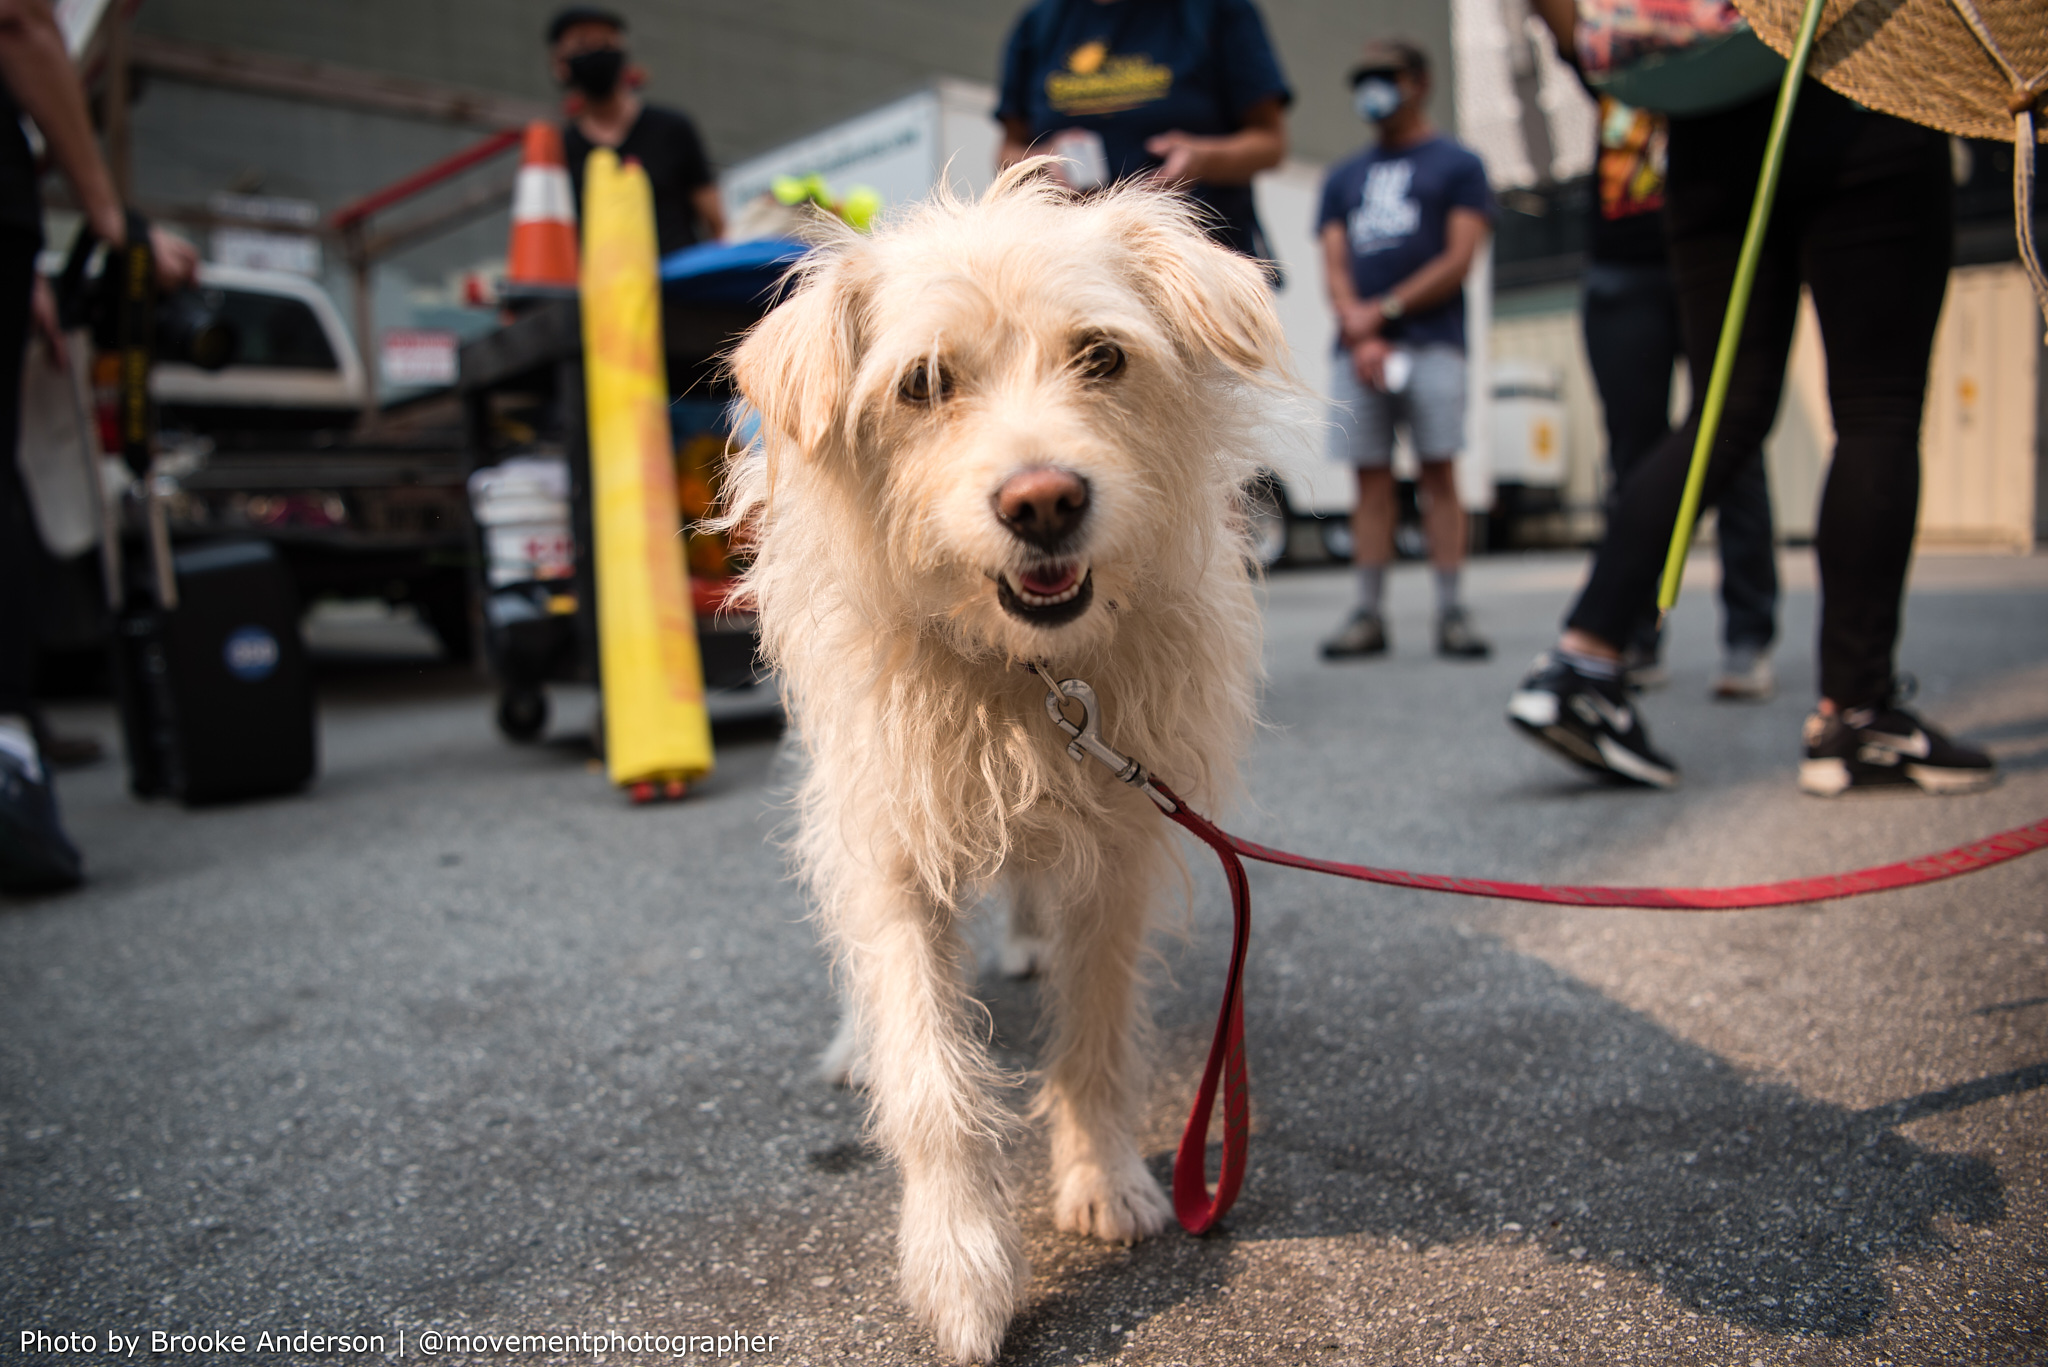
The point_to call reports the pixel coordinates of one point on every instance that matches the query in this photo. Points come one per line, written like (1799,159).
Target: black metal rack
(522,390)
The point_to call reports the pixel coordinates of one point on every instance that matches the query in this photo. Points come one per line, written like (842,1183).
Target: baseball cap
(567,19)
(1385,55)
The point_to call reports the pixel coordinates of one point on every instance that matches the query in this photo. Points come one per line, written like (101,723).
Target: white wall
(1978,441)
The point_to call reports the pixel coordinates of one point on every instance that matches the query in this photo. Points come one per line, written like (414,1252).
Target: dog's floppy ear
(1217,304)
(797,363)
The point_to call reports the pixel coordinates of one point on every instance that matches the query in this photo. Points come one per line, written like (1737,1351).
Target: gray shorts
(1432,405)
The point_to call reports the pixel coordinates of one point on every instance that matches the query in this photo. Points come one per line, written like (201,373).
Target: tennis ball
(860,206)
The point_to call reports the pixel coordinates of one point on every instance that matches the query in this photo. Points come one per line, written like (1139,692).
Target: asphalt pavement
(459,1042)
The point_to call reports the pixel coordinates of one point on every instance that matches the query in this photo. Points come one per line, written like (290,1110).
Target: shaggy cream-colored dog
(997,433)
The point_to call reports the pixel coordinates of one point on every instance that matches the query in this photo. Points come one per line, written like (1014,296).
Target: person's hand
(177,260)
(43,310)
(1359,320)
(1182,156)
(1369,359)
(109,224)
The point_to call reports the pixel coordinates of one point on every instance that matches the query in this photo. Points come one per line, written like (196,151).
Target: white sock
(1446,590)
(18,739)
(1592,666)
(1371,582)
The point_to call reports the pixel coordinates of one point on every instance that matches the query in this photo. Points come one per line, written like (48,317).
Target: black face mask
(596,73)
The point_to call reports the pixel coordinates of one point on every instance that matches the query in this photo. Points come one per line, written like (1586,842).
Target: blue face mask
(1375,97)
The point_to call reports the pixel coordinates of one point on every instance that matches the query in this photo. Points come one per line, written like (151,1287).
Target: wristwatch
(1390,307)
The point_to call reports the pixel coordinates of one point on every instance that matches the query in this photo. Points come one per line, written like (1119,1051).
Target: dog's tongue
(1049,582)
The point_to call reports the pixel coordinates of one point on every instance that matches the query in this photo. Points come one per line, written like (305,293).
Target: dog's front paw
(1024,956)
(844,1063)
(1117,1205)
(964,1279)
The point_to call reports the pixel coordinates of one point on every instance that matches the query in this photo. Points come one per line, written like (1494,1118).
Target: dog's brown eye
(1100,359)
(924,383)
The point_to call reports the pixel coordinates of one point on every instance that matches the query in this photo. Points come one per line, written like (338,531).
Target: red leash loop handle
(1192,1203)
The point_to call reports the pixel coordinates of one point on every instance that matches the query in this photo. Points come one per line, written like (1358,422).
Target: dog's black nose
(1043,505)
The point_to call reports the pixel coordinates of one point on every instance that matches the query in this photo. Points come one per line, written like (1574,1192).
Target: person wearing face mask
(1400,224)
(585,46)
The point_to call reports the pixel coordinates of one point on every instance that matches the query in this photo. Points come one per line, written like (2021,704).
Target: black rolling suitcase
(216,695)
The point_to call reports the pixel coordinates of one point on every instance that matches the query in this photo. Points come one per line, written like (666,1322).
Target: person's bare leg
(1372,519)
(1585,643)
(1443,517)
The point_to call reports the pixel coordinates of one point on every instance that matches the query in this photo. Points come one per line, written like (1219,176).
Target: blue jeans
(1633,340)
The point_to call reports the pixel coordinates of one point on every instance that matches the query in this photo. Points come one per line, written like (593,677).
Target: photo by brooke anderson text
(157,1343)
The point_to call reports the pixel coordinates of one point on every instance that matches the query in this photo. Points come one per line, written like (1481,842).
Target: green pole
(1738,308)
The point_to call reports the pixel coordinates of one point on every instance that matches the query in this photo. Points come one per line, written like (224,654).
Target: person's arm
(1357,319)
(1560,16)
(39,73)
(1016,144)
(710,211)
(1233,158)
(1013,101)
(1441,277)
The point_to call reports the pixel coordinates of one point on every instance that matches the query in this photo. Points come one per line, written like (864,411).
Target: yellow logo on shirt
(1097,83)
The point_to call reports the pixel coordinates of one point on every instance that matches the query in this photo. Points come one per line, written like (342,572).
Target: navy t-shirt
(1396,210)
(1130,70)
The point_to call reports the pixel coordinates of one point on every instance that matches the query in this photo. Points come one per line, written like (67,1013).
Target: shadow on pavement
(1508,1097)
(1514,1101)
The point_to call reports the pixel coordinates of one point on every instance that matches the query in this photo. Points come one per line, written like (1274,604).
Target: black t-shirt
(1133,69)
(21,201)
(1629,164)
(665,142)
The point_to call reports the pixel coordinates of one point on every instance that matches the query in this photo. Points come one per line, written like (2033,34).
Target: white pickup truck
(295,366)
(273,444)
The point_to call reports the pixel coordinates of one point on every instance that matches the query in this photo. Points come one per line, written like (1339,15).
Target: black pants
(1864,219)
(1633,339)
(23,562)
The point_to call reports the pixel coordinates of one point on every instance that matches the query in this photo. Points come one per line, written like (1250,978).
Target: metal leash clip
(1087,737)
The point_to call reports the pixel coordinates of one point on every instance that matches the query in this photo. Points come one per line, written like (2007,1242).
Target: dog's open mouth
(1046,595)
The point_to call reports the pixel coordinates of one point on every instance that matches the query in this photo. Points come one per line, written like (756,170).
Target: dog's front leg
(1095,1075)
(935,1111)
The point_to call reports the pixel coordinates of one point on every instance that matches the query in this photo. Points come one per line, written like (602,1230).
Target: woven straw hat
(1920,60)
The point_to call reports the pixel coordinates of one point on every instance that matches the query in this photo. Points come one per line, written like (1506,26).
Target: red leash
(1192,1202)
(1197,1209)
(1978,854)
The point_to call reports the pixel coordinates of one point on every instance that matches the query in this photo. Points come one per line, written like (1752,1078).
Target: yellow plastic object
(656,729)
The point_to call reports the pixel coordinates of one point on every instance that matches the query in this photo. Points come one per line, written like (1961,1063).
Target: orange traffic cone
(543,256)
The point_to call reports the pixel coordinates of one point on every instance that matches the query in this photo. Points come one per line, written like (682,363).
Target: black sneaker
(1365,634)
(1589,722)
(1888,747)
(35,854)
(1455,638)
